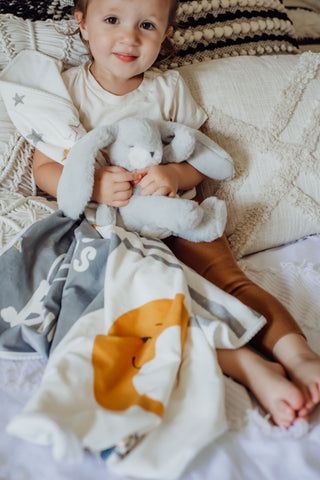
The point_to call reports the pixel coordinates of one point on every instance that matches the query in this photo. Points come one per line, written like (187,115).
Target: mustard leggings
(215,262)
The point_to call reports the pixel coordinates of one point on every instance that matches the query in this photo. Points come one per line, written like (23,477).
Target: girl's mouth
(123,57)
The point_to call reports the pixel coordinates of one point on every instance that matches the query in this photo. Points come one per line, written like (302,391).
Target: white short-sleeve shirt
(160,96)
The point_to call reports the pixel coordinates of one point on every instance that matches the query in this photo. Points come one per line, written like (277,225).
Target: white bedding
(256,451)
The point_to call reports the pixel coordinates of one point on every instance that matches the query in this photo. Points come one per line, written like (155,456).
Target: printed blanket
(130,334)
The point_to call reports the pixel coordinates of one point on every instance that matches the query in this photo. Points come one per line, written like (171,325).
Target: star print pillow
(265,112)
(39,104)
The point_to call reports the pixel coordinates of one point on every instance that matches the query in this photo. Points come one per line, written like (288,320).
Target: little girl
(125,38)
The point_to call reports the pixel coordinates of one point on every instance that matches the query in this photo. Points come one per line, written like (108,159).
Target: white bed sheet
(256,451)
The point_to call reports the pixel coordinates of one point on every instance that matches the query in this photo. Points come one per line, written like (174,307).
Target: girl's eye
(112,20)
(147,26)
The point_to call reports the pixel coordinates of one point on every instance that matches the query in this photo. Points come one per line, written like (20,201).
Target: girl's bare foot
(302,366)
(278,395)
(267,381)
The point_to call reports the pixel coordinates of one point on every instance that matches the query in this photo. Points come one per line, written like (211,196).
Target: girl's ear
(82,24)
(168,32)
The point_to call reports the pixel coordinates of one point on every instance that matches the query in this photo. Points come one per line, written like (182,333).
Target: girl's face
(124,36)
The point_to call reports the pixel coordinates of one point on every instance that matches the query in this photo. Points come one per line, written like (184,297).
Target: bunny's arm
(210,159)
(77,178)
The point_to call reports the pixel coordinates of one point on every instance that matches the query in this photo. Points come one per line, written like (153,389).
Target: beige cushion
(265,111)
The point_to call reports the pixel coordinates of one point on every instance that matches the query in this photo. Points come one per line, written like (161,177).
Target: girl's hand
(158,180)
(112,186)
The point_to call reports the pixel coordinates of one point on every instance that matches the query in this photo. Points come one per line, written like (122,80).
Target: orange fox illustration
(130,343)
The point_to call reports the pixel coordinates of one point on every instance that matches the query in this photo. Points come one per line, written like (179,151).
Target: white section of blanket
(69,414)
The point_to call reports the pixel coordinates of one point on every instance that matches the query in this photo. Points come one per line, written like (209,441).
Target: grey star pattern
(76,135)
(18,99)
(35,137)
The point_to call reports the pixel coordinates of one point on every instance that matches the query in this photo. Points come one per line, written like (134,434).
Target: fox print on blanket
(118,357)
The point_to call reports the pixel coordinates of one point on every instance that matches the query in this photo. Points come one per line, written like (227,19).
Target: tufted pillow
(265,111)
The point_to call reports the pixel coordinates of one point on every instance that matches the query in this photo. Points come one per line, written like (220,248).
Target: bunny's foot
(212,223)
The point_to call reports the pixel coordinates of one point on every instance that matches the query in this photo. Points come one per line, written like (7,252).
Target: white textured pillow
(265,111)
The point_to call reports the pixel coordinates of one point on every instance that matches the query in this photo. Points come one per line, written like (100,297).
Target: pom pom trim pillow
(265,112)
(211,29)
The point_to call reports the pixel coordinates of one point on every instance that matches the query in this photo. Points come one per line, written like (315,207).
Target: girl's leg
(215,262)
(281,338)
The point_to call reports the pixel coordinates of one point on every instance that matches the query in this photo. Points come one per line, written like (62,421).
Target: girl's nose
(129,36)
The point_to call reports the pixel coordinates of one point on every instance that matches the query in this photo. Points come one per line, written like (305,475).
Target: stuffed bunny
(136,143)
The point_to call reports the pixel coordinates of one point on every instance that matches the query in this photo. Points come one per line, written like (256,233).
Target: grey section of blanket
(50,282)
(220,311)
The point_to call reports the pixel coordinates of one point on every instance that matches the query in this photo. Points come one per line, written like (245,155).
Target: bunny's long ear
(210,159)
(77,179)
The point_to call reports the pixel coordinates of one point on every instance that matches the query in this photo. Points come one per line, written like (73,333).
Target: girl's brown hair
(167,48)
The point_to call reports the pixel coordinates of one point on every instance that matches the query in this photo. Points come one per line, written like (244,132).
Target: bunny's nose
(142,158)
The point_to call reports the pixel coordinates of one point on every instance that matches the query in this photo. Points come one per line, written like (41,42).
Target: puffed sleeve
(184,108)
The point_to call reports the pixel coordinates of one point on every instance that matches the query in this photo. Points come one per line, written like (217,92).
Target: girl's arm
(46,173)
(112,185)
(167,179)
